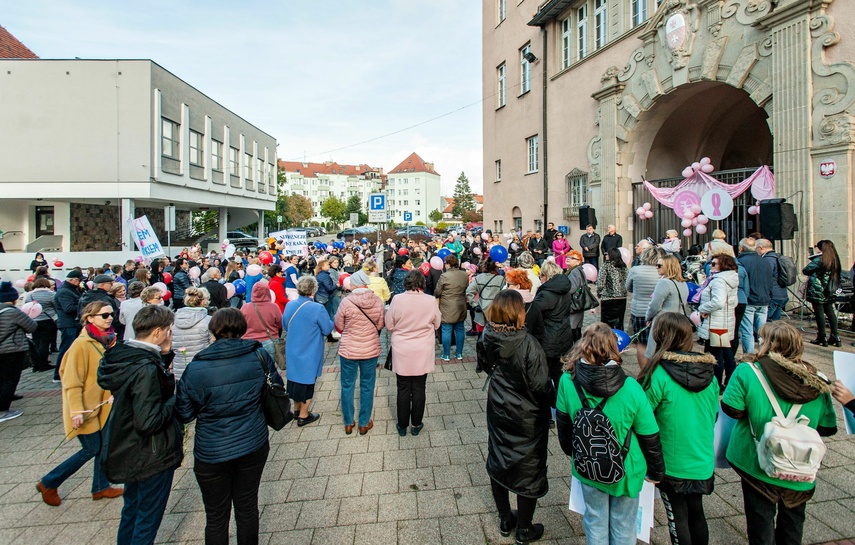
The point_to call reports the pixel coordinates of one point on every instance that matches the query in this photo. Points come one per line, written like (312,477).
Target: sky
(321,76)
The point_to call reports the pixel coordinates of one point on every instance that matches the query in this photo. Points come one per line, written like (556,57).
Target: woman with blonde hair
(670,295)
(717,246)
(190,333)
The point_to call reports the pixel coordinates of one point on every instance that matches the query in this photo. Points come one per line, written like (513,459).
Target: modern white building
(413,186)
(318,181)
(87,144)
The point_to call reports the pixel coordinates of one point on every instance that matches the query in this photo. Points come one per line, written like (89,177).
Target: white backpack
(789,449)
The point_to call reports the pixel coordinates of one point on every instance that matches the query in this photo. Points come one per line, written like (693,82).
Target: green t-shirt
(744,392)
(686,422)
(628,408)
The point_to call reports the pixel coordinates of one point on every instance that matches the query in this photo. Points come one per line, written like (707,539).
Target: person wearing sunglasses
(560,248)
(85,405)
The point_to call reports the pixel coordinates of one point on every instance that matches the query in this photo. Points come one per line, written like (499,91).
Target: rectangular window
(577,192)
(418,202)
(170,139)
(247,166)
(525,70)
(196,149)
(217,155)
(566,43)
(639,12)
(600,23)
(499,170)
(501,11)
(501,84)
(233,161)
(582,32)
(531,145)
(258,173)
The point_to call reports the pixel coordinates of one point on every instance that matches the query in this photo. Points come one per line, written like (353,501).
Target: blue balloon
(323,246)
(622,339)
(364,240)
(498,253)
(318,245)
(240,286)
(443,253)
(693,289)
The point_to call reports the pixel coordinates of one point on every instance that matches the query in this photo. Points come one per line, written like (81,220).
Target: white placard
(644,520)
(844,369)
(716,204)
(146,239)
(294,242)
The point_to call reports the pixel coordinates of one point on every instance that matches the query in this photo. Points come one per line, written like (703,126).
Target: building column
(224,223)
(261,230)
(608,98)
(126,215)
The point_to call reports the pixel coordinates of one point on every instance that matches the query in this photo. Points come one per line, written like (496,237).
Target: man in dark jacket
(180,282)
(67,302)
(549,320)
(590,243)
(537,247)
(549,236)
(14,325)
(611,240)
(219,296)
(102,284)
(759,293)
(142,440)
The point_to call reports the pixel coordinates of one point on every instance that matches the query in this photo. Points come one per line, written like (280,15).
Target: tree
(463,199)
(473,216)
(299,209)
(354,206)
(435,216)
(334,209)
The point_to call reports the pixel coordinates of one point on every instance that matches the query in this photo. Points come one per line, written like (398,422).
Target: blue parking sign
(377,201)
(563,229)
(408,216)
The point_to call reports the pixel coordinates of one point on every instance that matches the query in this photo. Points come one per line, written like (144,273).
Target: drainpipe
(544,139)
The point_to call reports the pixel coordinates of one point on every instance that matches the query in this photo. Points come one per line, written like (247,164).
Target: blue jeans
(145,503)
(752,321)
(459,336)
(609,520)
(367,370)
(67,336)
(91,443)
(776,306)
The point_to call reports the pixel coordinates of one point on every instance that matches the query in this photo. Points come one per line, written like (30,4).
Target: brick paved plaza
(322,486)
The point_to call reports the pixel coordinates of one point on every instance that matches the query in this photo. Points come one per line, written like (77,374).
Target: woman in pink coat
(560,248)
(412,319)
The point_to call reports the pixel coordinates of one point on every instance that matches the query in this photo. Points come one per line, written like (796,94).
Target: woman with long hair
(718,300)
(793,382)
(683,394)
(43,294)
(611,288)
(670,294)
(518,414)
(143,275)
(823,272)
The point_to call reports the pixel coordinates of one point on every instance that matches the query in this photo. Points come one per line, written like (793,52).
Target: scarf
(697,297)
(794,382)
(106,338)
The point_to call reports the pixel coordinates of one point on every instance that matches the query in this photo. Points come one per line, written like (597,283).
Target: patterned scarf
(106,338)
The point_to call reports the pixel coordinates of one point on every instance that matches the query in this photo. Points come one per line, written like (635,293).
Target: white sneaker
(10,414)
(56,381)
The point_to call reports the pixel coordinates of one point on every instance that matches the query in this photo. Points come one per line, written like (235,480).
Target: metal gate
(737,225)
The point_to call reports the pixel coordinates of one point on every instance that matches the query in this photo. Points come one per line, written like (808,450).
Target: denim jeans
(91,443)
(609,520)
(145,503)
(367,370)
(67,336)
(776,306)
(752,321)
(459,336)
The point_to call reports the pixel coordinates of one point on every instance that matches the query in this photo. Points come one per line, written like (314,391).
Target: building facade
(593,96)
(413,186)
(318,181)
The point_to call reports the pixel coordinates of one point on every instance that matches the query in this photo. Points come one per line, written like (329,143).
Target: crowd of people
(146,348)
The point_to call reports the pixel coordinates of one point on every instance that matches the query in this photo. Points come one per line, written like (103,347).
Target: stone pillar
(224,223)
(261,230)
(126,214)
(608,98)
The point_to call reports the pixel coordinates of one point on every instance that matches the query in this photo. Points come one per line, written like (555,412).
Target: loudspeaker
(587,216)
(777,219)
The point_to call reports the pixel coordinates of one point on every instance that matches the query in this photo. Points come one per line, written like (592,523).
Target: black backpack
(597,455)
(788,275)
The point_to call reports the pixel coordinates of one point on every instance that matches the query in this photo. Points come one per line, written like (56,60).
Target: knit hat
(359,279)
(8,294)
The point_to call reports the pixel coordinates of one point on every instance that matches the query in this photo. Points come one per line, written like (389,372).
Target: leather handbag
(275,401)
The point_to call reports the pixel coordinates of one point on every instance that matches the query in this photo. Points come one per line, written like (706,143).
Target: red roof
(311,170)
(479,199)
(12,48)
(414,163)
(449,204)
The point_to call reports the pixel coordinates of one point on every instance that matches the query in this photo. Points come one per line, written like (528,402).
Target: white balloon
(701,229)
(686,223)
(687,232)
(705,161)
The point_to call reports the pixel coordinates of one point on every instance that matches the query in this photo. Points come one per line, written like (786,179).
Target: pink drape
(762,184)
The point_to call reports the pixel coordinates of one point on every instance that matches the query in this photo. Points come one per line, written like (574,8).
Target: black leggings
(525,506)
(411,400)
(725,362)
(687,523)
(821,311)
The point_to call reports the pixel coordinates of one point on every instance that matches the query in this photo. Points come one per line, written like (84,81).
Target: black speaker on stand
(777,219)
(587,216)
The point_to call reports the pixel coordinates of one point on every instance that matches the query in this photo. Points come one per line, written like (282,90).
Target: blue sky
(318,75)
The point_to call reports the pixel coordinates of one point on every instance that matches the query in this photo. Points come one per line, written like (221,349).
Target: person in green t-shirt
(683,392)
(610,509)
(793,381)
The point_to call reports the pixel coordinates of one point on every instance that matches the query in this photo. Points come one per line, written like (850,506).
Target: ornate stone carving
(747,12)
(628,70)
(594,152)
(677,27)
(833,122)
(650,79)
(712,57)
(743,65)
(610,76)
(629,103)
(575,173)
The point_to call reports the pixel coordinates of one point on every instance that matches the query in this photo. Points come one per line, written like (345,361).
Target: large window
(566,43)
(525,70)
(639,12)
(233,161)
(217,155)
(501,84)
(582,32)
(247,166)
(577,191)
(196,149)
(501,11)
(499,170)
(170,139)
(531,145)
(600,23)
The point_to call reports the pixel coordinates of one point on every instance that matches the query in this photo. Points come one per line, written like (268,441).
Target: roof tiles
(12,48)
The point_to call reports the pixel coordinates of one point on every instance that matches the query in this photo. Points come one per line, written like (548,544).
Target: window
(639,11)
(501,11)
(501,84)
(418,202)
(258,173)
(247,166)
(233,161)
(196,148)
(499,170)
(566,43)
(531,144)
(582,32)
(577,191)
(418,212)
(600,22)
(525,70)
(217,155)
(170,139)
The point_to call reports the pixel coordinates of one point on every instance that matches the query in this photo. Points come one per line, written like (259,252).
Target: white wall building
(413,186)
(318,181)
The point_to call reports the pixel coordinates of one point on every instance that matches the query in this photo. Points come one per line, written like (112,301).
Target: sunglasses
(105,315)
(659,266)
(713,263)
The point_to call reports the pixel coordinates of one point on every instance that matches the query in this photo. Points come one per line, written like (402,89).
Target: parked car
(416,230)
(349,232)
(238,238)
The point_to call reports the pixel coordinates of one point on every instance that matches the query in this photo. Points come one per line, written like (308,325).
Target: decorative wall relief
(712,57)
(833,122)
(743,65)
(747,12)
(677,30)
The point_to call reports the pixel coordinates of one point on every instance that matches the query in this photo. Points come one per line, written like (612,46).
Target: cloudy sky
(322,76)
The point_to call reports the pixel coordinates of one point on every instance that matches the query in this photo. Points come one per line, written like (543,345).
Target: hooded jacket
(549,318)
(189,336)
(719,299)
(518,409)
(360,339)
(451,292)
(14,325)
(141,437)
(759,278)
(222,390)
(271,317)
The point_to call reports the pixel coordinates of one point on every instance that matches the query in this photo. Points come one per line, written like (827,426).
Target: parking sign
(408,216)
(377,208)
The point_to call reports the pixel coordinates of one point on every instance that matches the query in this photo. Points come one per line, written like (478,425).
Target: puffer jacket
(719,299)
(517,410)
(380,288)
(141,437)
(611,282)
(451,292)
(549,318)
(640,282)
(180,282)
(817,283)
(398,277)
(221,390)
(14,326)
(326,287)
(190,336)
(66,303)
(45,297)
(742,292)
(481,292)
(360,339)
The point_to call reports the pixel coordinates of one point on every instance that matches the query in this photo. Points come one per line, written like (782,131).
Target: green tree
(334,209)
(435,216)
(354,206)
(204,222)
(463,199)
(473,216)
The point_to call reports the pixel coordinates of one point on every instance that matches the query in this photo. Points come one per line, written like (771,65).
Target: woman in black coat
(518,412)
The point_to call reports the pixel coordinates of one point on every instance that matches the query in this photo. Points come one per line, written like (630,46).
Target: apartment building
(413,186)
(318,181)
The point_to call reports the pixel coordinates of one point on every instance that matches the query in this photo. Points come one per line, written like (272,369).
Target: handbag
(388,363)
(582,299)
(278,344)
(275,401)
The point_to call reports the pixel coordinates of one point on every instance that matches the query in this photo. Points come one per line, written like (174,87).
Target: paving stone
(341,486)
(834,515)
(340,535)
(358,510)
(375,534)
(275,518)
(312,488)
(474,500)
(428,457)
(450,476)
(416,479)
(400,506)
(318,514)
(436,503)
(399,459)
(333,465)
(418,532)
(384,482)
(461,530)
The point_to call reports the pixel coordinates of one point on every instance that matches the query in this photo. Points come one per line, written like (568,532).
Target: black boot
(527,535)
(835,341)
(508,523)
(819,341)
(331,339)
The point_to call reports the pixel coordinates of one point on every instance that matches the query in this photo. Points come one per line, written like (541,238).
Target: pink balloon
(31,309)
(138,259)
(648,214)
(436,263)
(687,232)
(703,220)
(687,172)
(707,168)
(347,285)
(695,317)
(195,272)
(640,210)
(686,223)
(161,286)
(90,285)
(253,270)
(688,214)
(476,250)
(20,283)
(694,221)
(240,273)
(701,229)
(230,290)
(485,236)
(696,208)
(646,206)
(625,255)
(590,272)
(696,166)
(752,210)
(705,161)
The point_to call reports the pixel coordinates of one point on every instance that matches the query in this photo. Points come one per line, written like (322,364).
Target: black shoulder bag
(275,401)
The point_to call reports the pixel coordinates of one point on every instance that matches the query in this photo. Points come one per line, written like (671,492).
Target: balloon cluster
(754,210)
(692,217)
(704,165)
(644,211)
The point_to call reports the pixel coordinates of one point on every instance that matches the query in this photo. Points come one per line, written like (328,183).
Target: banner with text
(146,239)
(294,242)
